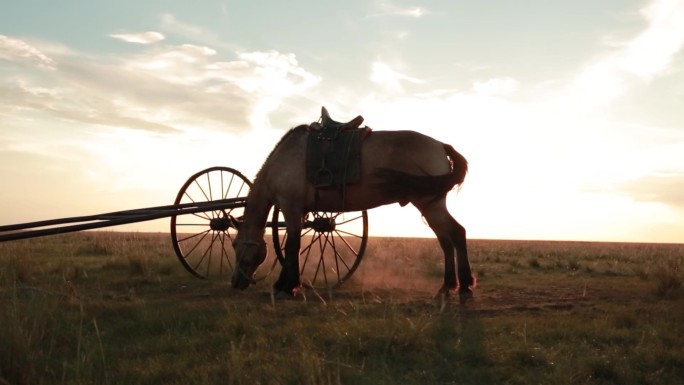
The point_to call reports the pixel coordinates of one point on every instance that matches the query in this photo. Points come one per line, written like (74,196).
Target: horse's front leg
(288,282)
(450,283)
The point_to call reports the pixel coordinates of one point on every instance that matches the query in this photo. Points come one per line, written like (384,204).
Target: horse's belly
(353,198)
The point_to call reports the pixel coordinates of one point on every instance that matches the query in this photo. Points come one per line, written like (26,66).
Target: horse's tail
(405,185)
(459,165)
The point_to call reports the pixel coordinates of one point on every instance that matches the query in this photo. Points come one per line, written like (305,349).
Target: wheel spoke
(193,236)
(192,224)
(206,197)
(193,249)
(240,190)
(223,194)
(202,234)
(209,187)
(317,237)
(347,243)
(224,252)
(348,233)
(208,251)
(348,220)
(338,258)
(321,260)
(203,215)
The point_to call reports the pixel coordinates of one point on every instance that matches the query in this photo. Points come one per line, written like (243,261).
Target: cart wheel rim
(203,241)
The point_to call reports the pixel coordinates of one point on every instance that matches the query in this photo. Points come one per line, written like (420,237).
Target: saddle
(333,151)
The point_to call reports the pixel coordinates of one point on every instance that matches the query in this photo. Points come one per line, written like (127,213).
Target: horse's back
(406,151)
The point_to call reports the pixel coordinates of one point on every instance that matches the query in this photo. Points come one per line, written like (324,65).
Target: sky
(569,112)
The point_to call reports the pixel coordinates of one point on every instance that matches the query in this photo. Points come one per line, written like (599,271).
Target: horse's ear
(324,114)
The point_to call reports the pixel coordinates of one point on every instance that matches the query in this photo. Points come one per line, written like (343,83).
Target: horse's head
(249,255)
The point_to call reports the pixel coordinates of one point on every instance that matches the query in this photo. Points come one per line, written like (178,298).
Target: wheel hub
(323,225)
(219,224)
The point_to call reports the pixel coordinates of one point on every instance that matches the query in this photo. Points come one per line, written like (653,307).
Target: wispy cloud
(194,34)
(387,8)
(638,60)
(170,21)
(664,188)
(387,77)
(148,37)
(18,51)
(496,86)
(650,53)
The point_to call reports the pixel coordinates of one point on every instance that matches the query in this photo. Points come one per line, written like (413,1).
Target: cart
(205,217)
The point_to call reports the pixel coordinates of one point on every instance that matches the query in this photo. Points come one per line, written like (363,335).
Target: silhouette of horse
(396,167)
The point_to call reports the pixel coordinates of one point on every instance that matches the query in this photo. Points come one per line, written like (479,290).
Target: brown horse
(396,166)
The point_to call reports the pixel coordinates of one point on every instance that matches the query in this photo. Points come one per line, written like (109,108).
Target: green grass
(116,308)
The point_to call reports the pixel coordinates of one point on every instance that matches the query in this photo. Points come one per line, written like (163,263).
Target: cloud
(274,74)
(165,88)
(262,78)
(650,53)
(664,188)
(496,87)
(25,99)
(18,51)
(148,37)
(638,60)
(385,76)
(386,7)
(170,21)
(195,34)
(179,64)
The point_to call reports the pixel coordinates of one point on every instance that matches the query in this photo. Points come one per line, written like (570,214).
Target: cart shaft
(72,224)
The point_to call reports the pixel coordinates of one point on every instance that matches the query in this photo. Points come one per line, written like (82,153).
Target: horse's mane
(299,129)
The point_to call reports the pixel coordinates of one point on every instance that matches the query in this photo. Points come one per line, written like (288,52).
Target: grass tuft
(669,276)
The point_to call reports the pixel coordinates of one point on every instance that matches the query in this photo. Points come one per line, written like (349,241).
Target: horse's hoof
(444,292)
(465,295)
(295,293)
(281,295)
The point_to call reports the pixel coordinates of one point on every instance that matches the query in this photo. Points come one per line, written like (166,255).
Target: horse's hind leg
(439,220)
(466,281)
(451,235)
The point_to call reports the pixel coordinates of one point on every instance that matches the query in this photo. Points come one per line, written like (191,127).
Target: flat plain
(118,308)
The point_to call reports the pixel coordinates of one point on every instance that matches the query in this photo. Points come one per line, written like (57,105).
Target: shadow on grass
(460,340)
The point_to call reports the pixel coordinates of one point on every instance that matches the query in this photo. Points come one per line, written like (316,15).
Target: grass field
(117,308)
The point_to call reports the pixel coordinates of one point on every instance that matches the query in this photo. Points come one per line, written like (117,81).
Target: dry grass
(109,308)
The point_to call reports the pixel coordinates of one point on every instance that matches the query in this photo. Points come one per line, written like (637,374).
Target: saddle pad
(333,163)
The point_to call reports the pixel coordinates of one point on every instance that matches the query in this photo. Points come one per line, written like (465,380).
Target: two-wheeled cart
(205,217)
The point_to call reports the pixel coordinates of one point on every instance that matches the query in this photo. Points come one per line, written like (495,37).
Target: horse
(396,167)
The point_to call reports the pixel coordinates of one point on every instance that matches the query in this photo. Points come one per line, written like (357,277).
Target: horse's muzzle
(241,280)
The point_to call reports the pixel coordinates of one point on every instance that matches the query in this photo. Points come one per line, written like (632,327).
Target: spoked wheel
(332,245)
(203,241)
